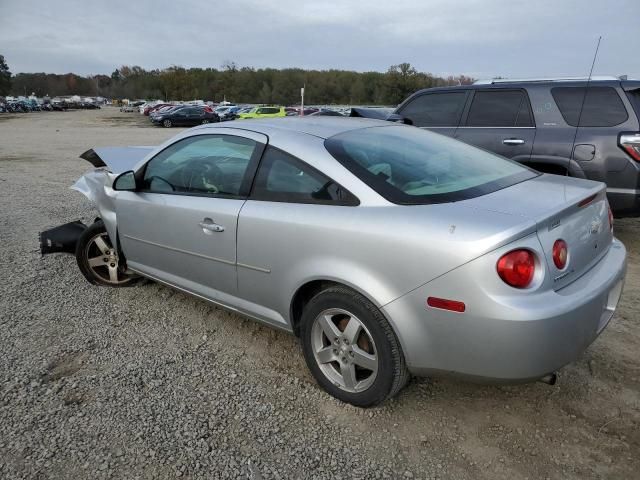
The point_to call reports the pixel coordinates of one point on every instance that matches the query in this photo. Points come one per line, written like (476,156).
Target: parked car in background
(229,113)
(152,108)
(163,110)
(264,111)
(389,250)
(221,110)
(185,116)
(128,108)
(549,125)
(325,112)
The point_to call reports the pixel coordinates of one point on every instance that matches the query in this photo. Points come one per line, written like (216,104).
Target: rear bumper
(506,338)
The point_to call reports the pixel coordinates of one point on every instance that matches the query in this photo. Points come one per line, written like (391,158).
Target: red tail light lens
(560,254)
(630,143)
(516,268)
(610,218)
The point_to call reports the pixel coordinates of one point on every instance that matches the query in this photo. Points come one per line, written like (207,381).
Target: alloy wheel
(102,259)
(344,350)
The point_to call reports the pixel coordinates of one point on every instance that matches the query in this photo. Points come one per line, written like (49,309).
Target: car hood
(116,159)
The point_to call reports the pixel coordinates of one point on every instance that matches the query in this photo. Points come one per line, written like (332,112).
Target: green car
(263,112)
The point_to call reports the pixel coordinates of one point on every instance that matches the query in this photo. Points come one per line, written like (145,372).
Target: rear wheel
(351,349)
(167,123)
(205,121)
(98,260)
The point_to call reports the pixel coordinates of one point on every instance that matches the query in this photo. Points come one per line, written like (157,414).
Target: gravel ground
(147,382)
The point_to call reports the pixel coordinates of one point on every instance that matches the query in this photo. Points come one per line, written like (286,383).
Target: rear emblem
(596,225)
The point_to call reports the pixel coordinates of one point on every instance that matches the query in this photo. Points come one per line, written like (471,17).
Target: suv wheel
(167,123)
(351,349)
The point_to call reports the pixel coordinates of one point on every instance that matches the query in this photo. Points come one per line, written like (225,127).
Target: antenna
(584,97)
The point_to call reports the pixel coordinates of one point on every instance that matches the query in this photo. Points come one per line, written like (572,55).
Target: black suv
(536,122)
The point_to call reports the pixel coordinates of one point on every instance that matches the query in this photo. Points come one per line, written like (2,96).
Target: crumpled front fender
(97,187)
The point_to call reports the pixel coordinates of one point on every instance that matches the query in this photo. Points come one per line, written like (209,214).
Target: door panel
(501,121)
(180,225)
(513,143)
(174,237)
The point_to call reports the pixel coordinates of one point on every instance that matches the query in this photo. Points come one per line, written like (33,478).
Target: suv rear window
(602,106)
(500,108)
(409,165)
(435,109)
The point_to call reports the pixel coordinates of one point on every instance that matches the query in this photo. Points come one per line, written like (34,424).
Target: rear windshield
(408,165)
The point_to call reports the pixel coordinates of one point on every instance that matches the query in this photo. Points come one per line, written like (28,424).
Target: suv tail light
(560,254)
(516,268)
(610,217)
(630,143)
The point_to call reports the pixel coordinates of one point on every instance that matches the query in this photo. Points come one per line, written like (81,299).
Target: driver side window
(200,165)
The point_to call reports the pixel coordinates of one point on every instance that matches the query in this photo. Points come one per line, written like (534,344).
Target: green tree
(5,77)
(401,80)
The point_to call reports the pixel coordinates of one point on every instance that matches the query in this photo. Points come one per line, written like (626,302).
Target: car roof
(318,126)
(505,84)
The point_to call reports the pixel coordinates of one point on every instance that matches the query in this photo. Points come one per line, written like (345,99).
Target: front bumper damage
(61,239)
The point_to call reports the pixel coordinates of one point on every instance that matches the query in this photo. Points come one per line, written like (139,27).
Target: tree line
(239,84)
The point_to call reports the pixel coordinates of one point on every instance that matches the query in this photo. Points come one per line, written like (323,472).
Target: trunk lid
(566,208)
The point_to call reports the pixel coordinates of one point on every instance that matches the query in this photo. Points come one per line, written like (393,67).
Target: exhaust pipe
(549,379)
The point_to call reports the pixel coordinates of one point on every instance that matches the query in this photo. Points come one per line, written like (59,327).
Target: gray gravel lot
(147,382)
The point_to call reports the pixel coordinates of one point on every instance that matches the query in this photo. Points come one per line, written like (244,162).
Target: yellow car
(263,112)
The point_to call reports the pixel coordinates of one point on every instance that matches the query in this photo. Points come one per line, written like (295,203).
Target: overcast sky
(482,38)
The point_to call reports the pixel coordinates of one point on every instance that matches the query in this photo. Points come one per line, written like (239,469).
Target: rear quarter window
(602,107)
(634,98)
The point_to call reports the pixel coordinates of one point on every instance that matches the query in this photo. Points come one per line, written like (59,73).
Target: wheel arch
(310,288)
(555,165)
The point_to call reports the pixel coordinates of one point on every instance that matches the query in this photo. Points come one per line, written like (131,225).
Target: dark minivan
(549,125)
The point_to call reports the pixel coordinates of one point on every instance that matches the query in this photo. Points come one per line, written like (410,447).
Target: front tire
(167,123)
(351,349)
(98,260)
(205,121)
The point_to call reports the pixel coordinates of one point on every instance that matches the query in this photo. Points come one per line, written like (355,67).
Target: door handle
(513,141)
(211,227)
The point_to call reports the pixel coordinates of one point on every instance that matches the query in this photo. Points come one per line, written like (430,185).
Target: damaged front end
(96,185)
(61,239)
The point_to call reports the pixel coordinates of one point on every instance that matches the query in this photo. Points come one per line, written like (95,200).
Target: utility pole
(302,100)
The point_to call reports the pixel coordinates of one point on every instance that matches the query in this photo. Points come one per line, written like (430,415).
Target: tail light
(610,218)
(516,268)
(560,254)
(630,143)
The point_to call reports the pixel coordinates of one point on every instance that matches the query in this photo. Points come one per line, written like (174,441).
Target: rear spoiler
(116,159)
(379,114)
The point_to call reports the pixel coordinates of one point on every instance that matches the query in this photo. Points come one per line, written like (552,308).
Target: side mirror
(125,182)
(394,117)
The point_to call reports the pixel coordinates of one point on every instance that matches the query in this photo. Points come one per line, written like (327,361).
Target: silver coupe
(389,250)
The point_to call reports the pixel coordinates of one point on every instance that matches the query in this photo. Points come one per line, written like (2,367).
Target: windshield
(408,165)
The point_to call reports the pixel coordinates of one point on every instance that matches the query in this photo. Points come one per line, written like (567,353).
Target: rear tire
(98,260)
(351,349)
(167,123)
